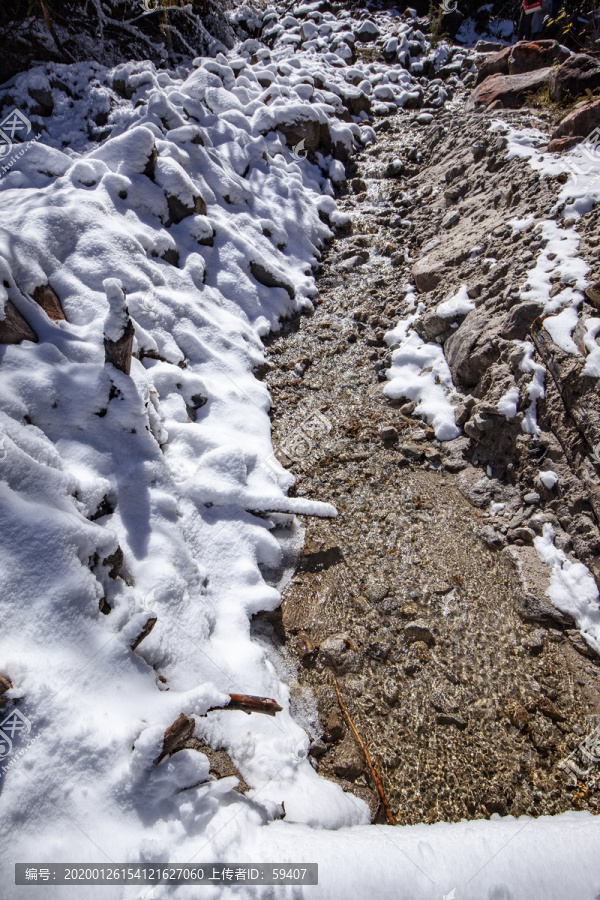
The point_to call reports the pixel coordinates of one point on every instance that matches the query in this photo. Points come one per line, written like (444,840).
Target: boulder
(348,761)
(271,278)
(472,348)
(508,90)
(527,56)
(496,64)
(433,327)
(580,122)
(559,145)
(574,77)
(427,272)
(367,31)
(519,320)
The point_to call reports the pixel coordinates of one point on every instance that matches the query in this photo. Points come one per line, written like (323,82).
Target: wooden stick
(248,703)
(365,750)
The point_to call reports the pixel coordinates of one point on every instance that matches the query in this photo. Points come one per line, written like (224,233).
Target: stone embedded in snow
(271,278)
(176,736)
(45,297)
(118,327)
(367,31)
(13,327)
(131,153)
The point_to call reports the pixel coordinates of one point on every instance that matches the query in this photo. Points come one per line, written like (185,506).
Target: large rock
(509,91)
(496,64)
(533,608)
(527,56)
(472,348)
(519,320)
(575,76)
(348,761)
(580,122)
(427,272)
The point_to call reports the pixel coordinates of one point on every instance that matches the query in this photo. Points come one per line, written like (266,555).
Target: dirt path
(468,707)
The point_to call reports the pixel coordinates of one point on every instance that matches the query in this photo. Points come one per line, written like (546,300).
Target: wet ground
(468,708)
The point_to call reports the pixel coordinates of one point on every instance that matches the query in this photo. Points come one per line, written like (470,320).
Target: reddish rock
(497,64)
(5,686)
(45,297)
(13,327)
(581,121)
(176,736)
(558,145)
(574,77)
(511,90)
(527,56)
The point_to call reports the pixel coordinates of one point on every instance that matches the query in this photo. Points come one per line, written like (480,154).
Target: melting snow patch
(572,587)
(458,305)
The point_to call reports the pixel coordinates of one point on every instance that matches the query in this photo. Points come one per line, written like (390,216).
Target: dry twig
(365,749)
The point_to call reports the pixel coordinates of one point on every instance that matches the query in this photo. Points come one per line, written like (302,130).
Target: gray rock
(432,326)
(535,641)
(462,412)
(451,219)
(472,348)
(519,320)
(348,761)
(391,691)
(581,644)
(533,497)
(336,651)
(451,719)
(541,611)
(491,537)
(388,433)
(376,590)
(394,169)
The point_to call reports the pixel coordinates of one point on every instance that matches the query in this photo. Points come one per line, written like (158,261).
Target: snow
(420,372)
(535,388)
(549,479)
(507,404)
(572,587)
(458,305)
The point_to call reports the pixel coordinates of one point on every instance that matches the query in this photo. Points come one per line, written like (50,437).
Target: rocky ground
(468,684)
